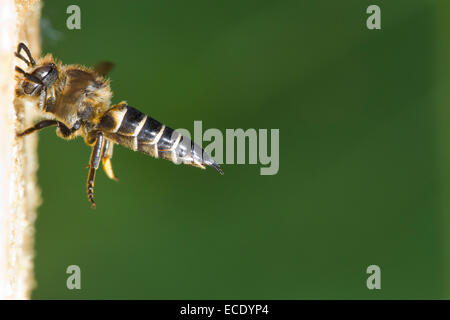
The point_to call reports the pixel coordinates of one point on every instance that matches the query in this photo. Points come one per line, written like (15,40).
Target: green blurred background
(364,168)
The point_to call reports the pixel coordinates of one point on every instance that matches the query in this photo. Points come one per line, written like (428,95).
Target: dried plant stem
(19,195)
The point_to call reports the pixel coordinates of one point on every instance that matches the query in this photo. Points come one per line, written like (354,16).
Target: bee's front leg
(65,132)
(38,126)
(96,155)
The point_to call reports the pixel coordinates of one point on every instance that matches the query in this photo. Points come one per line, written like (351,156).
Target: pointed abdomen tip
(217,167)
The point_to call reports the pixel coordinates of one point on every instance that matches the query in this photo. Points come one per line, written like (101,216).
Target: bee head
(44,75)
(47,73)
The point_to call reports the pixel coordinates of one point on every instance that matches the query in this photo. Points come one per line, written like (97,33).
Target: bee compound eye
(42,72)
(47,74)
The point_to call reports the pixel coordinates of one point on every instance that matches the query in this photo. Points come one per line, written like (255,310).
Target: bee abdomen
(122,119)
(131,128)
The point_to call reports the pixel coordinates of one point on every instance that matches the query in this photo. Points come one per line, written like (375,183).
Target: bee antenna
(30,59)
(22,58)
(29,77)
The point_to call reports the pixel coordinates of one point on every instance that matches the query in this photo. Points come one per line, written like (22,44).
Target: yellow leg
(106,160)
(108,168)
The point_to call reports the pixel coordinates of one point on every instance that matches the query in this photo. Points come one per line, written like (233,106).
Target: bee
(77,100)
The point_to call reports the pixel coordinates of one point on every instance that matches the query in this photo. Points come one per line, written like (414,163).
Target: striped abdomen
(131,128)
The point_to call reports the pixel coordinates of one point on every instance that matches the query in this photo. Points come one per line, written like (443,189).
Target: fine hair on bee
(77,101)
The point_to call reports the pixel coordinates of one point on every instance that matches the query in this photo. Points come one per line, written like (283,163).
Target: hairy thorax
(80,95)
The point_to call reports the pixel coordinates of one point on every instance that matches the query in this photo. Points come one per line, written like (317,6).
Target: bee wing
(103,68)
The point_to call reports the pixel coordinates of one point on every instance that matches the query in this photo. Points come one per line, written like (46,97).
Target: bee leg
(42,99)
(38,126)
(63,129)
(106,159)
(96,155)
(65,132)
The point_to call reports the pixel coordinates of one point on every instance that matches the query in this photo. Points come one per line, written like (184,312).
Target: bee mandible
(78,101)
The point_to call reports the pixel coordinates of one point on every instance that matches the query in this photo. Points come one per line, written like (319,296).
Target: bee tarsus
(96,155)
(38,126)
